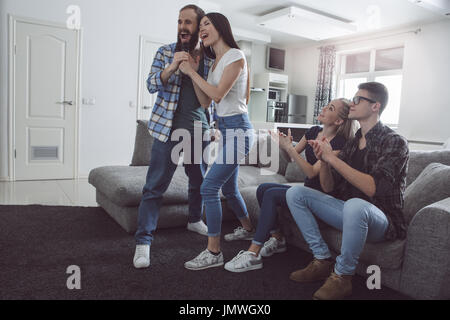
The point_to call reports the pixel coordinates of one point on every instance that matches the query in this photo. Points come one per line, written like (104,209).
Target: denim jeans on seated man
(358,219)
(158,180)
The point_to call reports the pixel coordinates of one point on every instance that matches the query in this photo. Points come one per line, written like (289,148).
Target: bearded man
(176,107)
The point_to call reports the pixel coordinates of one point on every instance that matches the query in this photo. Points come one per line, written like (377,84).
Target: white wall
(425,105)
(110,44)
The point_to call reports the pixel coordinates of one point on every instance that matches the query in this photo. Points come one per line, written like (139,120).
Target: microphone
(185,48)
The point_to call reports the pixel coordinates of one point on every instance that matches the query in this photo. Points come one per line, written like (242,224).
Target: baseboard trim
(7,179)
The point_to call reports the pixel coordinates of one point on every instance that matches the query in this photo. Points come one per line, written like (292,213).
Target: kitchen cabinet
(263,83)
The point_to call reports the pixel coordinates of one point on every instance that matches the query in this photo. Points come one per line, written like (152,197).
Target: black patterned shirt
(386,160)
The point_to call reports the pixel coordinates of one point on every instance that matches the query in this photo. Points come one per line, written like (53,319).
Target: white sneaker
(239,234)
(204,260)
(199,227)
(272,246)
(244,261)
(142,256)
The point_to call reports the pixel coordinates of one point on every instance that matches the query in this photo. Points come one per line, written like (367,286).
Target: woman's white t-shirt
(235,101)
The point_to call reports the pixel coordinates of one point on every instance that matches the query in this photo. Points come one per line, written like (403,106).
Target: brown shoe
(335,288)
(316,270)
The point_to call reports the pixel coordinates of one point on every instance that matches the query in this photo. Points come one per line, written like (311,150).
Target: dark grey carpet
(38,243)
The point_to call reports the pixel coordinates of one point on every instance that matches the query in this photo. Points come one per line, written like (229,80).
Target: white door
(45,81)
(146,101)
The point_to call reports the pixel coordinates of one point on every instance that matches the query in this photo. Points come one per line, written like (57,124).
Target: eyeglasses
(357,99)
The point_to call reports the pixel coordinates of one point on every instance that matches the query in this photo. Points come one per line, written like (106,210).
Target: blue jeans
(359,221)
(235,143)
(269,195)
(159,176)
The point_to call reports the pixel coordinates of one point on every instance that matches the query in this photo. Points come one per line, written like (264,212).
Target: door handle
(70,103)
(146,107)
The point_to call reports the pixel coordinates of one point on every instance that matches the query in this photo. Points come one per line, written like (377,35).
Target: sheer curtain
(325,79)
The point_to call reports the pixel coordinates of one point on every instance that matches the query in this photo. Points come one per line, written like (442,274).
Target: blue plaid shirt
(160,123)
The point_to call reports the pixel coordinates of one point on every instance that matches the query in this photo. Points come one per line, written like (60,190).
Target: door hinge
(15,153)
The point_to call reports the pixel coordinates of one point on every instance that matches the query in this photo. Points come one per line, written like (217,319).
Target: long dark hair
(223,27)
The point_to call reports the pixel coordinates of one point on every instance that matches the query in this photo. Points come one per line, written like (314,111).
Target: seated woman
(337,129)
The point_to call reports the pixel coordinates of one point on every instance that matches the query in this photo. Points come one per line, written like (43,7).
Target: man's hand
(178,58)
(194,59)
(322,149)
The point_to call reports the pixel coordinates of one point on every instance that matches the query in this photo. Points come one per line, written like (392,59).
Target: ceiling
(243,16)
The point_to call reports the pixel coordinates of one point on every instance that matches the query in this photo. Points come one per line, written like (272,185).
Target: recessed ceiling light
(439,6)
(307,24)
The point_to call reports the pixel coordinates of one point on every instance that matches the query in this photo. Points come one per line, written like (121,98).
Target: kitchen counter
(273,125)
(297,129)
(293,125)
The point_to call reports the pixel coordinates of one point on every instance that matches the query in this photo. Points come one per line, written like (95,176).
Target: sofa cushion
(251,202)
(123,185)
(294,173)
(386,254)
(251,159)
(418,160)
(170,216)
(253,176)
(432,185)
(264,150)
(142,145)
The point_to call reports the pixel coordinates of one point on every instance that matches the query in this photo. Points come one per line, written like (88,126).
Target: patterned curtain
(325,85)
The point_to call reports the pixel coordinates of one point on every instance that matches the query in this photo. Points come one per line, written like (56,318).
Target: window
(381,65)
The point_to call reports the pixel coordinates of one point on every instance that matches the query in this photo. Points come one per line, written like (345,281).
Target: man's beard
(189,45)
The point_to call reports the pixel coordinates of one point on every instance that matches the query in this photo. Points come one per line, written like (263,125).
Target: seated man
(365,185)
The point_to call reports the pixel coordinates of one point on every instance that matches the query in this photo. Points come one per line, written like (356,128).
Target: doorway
(147,50)
(44,100)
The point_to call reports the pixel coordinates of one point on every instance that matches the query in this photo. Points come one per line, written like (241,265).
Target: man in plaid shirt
(177,108)
(365,183)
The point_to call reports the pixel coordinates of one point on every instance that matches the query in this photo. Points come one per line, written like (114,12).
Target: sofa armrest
(426,264)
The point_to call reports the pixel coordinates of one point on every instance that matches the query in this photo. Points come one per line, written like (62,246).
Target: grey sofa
(119,188)
(418,266)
